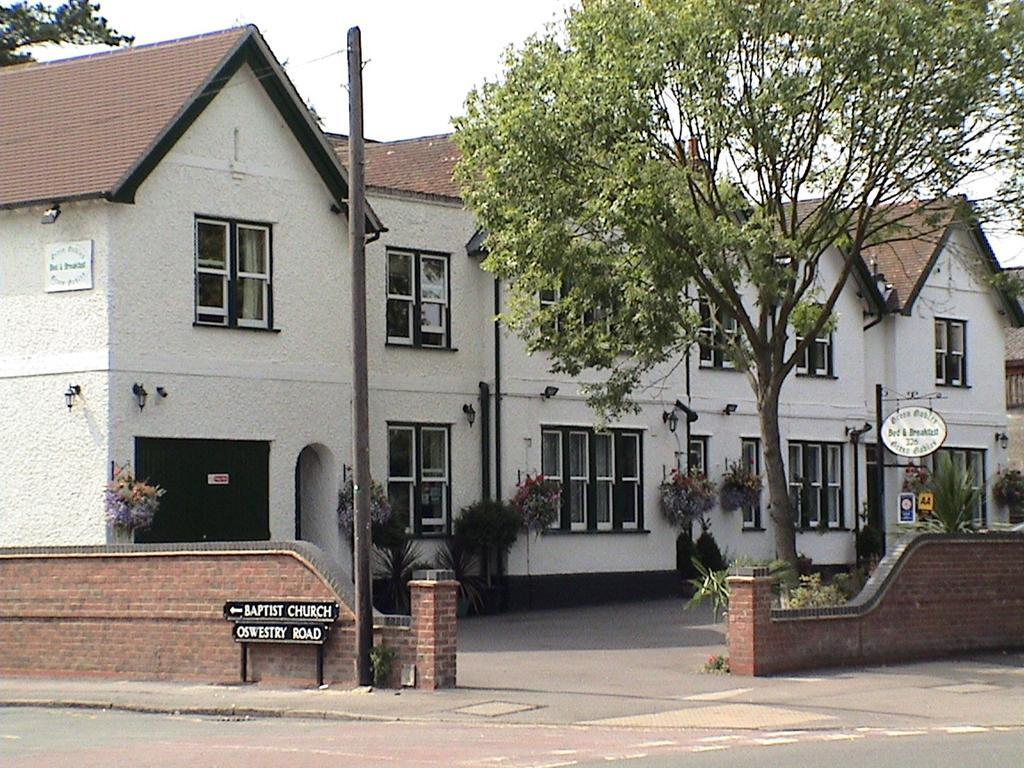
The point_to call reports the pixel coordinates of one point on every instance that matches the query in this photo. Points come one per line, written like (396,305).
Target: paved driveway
(655,647)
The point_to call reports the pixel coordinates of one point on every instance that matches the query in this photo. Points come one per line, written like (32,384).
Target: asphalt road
(84,739)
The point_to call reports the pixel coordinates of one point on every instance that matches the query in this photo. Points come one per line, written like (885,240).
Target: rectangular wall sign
(280,610)
(69,266)
(280,633)
(218,478)
(907,512)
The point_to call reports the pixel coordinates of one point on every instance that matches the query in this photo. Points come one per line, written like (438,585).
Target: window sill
(718,368)
(396,345)
(817,529)
(828,376)
(952,386)
(589,532)
(753,529)
(196,324)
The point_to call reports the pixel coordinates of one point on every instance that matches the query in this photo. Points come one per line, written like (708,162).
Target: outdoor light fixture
(162,391)
(140,395)
(74,390)
(730,409)
(549,392)
(470,412)
(51,214)
(691,415)
(1003,439)
(670,418)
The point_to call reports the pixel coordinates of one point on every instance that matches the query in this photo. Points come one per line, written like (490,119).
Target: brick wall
(934,595)
(156,612)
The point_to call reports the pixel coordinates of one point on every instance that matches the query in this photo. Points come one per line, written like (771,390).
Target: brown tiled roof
(1014,344)
(75,127)
(424,165)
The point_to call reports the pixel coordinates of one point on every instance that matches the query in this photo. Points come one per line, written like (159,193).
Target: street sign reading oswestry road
(280,610)
(280,633)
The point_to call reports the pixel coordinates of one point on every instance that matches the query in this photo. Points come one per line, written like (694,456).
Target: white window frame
(803,366)
(556,479)
(701,443)
(441,479)
(717,328)
(750,460)
(584,479)
(224,274)
(827,487)
(264,277)
(442,302)
(408,299)
(945,351)
(632,482)
(605,484)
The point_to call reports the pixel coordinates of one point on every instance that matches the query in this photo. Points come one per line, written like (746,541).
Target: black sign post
(281,621)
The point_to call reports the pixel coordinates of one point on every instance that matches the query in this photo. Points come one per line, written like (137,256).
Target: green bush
(710,585)
(955,499)
(455,556)
(813,594)
(488,524)
(869,544)
(708,552)
(850,584)
(382,659)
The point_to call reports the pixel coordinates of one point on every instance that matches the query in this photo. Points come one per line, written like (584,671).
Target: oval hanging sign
(913,431)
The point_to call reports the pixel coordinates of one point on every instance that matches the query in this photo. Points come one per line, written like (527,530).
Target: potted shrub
(739,488)
(489,528)
(537,502)
(456,556)
(955,499)
(1008,491)
(685,497)
(130,503)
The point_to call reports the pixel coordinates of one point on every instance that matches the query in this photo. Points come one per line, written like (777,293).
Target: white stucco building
(203,221)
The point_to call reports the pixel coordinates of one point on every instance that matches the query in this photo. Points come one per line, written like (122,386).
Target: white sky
(421,56)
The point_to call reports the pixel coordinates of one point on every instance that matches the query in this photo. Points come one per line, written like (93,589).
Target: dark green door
(216,490)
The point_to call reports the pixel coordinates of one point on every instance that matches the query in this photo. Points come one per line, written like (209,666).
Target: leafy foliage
(739,488)
(26,24)
(710,585)
(955,499)
(647,150)
(1008,490)
(131,504)
(382,659)
(396,564)
(708,551)
(489,524)
(812,593)
(686,497)
(537,502)
(455,556)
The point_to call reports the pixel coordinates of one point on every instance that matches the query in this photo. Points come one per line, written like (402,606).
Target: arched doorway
(316,499)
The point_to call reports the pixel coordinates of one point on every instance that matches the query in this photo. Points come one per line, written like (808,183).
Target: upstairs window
(718,329)
(950,352)
(418,299)
(816,359)
(232,274)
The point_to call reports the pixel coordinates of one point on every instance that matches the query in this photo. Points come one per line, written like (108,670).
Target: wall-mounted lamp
(51,214)
(1003,439)
(140,395)
(691,415)
(73,391)
(670,418)
(730,409)
(470,412)
(549,392)
(162,391)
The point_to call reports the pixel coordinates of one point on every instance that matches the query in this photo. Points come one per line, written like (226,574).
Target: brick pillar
(434,603)
(750,609)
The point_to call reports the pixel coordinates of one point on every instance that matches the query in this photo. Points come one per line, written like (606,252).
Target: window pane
(603,455)
(400,498)
(432,504)
(399,314)
(212,245)
(578,454)
(434,447)
(749,456)
(833,506)
(212,291)
(812,464)
(629,459)
(578,501)
(834,464)
(940,335)
(433,284)
(432,317)
(956,337)
(249,299)
(551,455)
(400,274)
(796,462)
(400,451)
(252,250)
(604,502)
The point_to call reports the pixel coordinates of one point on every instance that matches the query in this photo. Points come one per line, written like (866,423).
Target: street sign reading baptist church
(913,431)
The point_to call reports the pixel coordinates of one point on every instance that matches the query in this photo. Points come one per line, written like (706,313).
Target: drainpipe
(485,440)
(497,390)
(855,435)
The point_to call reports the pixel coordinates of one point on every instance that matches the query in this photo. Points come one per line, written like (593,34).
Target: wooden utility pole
(360,383)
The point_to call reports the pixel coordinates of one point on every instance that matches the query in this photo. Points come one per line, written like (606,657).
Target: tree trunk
(780,509)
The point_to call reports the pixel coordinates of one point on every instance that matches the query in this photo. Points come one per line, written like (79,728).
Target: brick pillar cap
(433,575)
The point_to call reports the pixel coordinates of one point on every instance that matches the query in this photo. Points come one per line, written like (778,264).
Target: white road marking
(965,729)
(717,695)
(11,736)
(841,736)
(720,738)
(904,733)
(801,679)
(648,744)
(784,733)
(709,747)
(773,742)
(563,752)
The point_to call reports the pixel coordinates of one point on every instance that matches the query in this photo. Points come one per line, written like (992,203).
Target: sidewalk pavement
(632,666)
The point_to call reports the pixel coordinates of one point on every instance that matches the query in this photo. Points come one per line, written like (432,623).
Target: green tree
(76,22)
(645,151)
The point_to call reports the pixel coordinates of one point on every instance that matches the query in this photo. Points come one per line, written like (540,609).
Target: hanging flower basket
(686,497)
(130,504)
(740,488)
(916,479)
(380,507)
(537,502)
(1008,490)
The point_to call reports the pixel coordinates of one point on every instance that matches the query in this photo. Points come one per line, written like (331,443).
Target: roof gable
(96,126)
